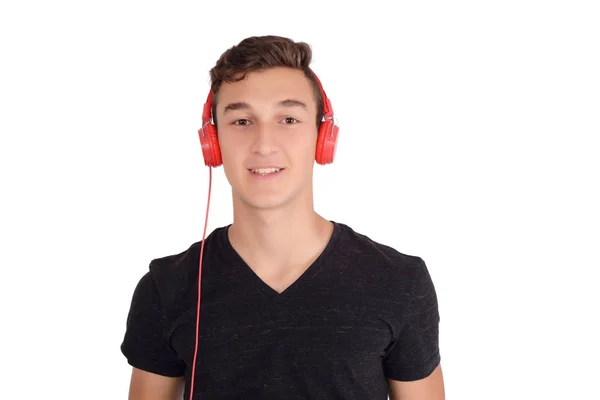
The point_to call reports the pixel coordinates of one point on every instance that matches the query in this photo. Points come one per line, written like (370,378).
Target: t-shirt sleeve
(145,345)
(414,353)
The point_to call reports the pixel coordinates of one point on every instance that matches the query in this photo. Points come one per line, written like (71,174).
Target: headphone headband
(207,111)
(327,109)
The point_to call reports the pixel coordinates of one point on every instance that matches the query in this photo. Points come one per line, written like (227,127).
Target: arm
(412,363)
(148,386)
(429,388)
(158,372)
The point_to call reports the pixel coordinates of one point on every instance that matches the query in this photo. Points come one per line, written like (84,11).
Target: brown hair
(258,53)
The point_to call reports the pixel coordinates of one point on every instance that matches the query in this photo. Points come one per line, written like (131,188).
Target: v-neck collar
(236,261)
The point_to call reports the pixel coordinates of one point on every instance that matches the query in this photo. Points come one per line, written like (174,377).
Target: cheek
(302,145)
(231,151)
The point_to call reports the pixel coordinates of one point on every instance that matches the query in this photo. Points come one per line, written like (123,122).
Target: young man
(293,306)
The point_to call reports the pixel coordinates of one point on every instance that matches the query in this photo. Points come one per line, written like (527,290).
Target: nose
(263,141)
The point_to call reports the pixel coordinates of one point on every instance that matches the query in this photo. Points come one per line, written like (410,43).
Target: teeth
(264,171)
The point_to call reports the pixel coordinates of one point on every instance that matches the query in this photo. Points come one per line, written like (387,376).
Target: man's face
(266,122)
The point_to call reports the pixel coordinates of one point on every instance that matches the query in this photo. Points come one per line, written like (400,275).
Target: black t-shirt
(361,313)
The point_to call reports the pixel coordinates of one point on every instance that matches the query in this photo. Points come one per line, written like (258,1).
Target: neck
(272,237)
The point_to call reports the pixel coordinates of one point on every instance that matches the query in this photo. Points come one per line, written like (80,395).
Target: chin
(250,195)
(262,202)
(253,198)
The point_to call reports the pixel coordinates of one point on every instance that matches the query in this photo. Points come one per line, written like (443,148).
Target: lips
(265,171)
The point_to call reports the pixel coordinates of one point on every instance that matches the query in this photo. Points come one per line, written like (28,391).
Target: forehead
(268,87)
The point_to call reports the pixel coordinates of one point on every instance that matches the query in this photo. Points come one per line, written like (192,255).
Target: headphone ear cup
(210,146)
(326,143)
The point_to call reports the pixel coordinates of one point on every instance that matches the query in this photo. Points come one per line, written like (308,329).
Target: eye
(290,120)
(241,122)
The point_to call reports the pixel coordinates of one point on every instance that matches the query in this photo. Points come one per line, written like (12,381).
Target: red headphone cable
(200,285)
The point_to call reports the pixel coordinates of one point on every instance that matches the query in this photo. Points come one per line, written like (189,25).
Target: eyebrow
(246,106)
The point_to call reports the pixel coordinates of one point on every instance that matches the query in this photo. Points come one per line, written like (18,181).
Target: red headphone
(326,141)
(325,153)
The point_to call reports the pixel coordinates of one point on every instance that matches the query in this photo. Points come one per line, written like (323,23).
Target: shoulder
(378,256)
(174,275)
(172,269)
(379,269)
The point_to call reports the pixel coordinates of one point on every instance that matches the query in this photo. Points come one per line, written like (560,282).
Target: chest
(246,341)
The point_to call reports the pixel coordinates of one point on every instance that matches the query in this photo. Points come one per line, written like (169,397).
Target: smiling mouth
(265,171)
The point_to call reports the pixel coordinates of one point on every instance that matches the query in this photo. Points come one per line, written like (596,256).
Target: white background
(469,137)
